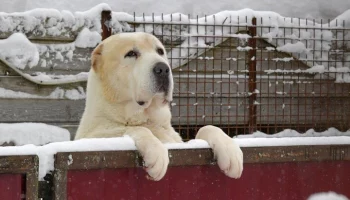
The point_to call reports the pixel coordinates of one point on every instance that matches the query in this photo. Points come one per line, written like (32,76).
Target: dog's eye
(131,54)
(160,51)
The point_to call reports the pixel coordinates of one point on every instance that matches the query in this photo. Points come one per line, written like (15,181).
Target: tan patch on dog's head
(96,61)
(124,64)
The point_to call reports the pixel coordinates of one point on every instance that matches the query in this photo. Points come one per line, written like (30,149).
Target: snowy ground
(297,8)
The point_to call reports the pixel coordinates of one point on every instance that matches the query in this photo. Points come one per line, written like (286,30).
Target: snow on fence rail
(98,168)
(241,70)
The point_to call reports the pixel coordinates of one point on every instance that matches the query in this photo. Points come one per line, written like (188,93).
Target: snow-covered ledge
(253,148)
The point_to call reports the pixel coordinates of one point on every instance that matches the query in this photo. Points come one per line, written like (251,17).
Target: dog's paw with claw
(229,158)
(156,161)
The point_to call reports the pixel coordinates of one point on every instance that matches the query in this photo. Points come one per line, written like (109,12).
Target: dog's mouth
(162,89)
(159,97)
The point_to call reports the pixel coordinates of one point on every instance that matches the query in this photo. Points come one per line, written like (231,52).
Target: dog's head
(133,66)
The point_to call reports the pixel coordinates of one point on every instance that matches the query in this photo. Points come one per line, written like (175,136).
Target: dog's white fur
(116,83)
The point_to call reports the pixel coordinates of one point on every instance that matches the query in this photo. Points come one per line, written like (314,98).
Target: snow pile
(327,196)
(292,133)
(87,38)
(297,47)
(51,22)
(51,79)
(58,93)
(291,141)
(19,51)
(32,133)
(61,52)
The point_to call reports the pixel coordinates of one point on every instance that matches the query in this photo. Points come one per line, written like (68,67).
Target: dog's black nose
(161,69)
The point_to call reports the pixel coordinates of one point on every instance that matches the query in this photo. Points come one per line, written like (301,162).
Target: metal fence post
(252,76)
(106,19)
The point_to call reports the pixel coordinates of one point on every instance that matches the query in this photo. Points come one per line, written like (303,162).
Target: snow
(51,79)
(51,22)
(327,196)
(316,69)
(292,133)
(320,69)
(32,133)
(297,47)
(286,59)
(19,51)
(86,38)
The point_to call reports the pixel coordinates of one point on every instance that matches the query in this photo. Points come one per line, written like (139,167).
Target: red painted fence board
(11,186)
(263,181)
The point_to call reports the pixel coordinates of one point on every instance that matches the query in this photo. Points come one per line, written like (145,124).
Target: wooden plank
(236,60)
(6,71)
(25,165)
(186,157)
(200,86)
(41,110)
(42,38)
(317,111)
(11,186)
(292,181)
(192,110)
(70,111)
(20,84)
(182,159)
(16,164)
(61,63)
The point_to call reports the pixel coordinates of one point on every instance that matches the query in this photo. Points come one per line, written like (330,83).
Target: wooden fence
(289,172)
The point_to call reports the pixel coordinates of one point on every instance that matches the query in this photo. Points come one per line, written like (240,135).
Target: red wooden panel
(11,186)
(151,190)
(120,184)
(184,185)
(290,181)
(83,185)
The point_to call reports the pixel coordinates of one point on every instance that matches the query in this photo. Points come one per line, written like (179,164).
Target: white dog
(128,93)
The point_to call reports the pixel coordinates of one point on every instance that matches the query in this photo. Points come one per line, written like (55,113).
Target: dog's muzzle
(161,72)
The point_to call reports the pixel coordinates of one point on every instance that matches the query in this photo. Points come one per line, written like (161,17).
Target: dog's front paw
(229,158)
(156,160)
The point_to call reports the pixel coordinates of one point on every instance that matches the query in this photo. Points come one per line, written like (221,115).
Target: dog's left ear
(96,57)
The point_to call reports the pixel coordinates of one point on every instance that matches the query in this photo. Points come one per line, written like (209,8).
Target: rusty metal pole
(252,76)
(106,19)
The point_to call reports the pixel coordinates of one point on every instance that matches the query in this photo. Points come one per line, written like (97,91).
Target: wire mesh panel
(254,73)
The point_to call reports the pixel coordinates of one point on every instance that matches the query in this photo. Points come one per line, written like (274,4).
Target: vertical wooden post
(252,76)
(106,18)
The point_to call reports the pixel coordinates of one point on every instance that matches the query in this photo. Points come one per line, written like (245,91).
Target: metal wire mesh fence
(248,74)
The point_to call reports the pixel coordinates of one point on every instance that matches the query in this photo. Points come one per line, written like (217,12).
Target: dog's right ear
(96,57)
